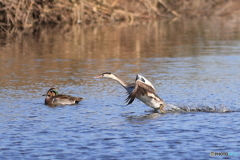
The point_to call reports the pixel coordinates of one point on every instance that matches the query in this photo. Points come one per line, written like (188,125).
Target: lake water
(193,64)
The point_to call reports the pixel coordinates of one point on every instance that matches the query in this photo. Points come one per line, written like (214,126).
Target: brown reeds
(23,14)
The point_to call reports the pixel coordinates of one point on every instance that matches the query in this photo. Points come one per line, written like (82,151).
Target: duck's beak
(44,95)
(98,77)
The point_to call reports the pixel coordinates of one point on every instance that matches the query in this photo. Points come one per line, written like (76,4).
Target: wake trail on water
(197,108)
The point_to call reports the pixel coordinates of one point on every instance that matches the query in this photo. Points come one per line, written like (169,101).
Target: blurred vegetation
(22,14)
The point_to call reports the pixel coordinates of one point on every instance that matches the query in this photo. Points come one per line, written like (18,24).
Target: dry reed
(23,14)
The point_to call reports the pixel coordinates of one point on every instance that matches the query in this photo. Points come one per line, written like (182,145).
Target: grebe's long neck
(120,81)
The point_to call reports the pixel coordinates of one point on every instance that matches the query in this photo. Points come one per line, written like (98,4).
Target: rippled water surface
(194,66)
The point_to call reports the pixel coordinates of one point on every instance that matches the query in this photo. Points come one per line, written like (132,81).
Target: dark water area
(193,64)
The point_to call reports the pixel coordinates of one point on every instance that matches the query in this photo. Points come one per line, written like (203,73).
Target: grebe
(142,89)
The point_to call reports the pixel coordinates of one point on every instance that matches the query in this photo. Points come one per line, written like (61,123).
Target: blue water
(200,87)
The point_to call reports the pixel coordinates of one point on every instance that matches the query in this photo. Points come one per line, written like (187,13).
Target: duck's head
(51,92)
(106,75)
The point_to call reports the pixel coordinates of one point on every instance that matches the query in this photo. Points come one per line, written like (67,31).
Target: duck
(142,89)
(53,98)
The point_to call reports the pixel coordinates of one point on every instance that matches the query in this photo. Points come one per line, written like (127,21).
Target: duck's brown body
(53,98)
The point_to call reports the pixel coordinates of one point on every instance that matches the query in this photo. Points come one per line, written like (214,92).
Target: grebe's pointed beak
(98,77)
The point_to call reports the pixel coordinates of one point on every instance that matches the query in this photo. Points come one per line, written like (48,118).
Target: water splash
(197,108)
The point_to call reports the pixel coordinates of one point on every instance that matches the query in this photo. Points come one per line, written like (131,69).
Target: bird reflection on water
(143,119)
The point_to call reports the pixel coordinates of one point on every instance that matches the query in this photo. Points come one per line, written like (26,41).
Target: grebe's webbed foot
(161,108)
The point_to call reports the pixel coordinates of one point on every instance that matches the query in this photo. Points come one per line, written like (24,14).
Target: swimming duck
(53,98)
(142,89)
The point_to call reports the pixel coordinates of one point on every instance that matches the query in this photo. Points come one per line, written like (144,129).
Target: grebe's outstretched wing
(140,89)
